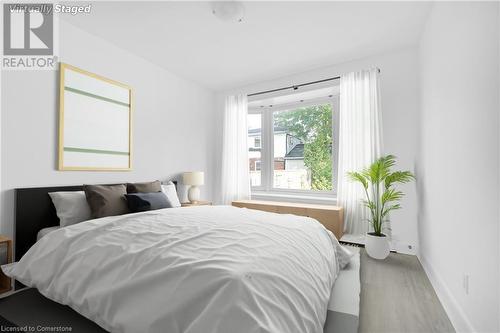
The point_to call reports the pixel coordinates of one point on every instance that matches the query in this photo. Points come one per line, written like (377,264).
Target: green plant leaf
(391,195)
(398,177)
(390,208)
(358,177)
(380,180)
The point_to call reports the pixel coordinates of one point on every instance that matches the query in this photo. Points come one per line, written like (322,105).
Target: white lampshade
(193,178)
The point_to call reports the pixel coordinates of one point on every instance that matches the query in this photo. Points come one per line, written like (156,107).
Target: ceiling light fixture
(228,10)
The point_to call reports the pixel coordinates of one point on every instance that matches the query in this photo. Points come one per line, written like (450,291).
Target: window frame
(267,149)
(260,187)
(257,139)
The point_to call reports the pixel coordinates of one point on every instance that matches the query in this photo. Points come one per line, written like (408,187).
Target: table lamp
(194,179)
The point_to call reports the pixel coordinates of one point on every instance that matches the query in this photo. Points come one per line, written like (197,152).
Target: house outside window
(254,152)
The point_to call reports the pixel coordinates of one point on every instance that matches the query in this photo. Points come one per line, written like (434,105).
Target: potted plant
(381,197)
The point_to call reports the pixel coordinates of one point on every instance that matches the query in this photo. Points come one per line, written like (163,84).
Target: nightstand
(198,203)
(6,258)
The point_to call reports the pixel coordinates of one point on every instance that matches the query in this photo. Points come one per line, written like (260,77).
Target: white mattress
(45,231)
(175,270)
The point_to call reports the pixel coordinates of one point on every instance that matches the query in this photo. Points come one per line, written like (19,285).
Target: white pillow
(71,207)
(171,193)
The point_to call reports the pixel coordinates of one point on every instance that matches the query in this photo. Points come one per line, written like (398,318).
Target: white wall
(400,108)
(172,122)
(458,169)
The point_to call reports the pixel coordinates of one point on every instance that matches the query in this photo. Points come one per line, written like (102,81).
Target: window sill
(288,197)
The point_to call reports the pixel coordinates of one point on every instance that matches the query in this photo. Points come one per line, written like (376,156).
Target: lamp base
(194,194)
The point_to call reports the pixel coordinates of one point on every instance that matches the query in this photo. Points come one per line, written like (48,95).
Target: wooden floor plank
(397,297)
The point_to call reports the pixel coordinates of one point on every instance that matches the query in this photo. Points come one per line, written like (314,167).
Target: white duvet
(199,269)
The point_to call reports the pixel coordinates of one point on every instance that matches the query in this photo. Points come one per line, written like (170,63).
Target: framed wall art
(95,122)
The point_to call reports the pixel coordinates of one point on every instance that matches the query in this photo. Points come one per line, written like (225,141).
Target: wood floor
(397,297)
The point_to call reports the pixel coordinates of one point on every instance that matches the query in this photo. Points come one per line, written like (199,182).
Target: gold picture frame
(88,101)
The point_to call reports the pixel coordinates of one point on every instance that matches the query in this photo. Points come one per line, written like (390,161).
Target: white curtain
(235,170)
(360,142)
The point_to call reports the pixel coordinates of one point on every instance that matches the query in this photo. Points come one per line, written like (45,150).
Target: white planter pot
(377,247)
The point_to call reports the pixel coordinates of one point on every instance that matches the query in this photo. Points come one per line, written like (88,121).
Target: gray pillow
(146,187)
(141,202)
(106,200)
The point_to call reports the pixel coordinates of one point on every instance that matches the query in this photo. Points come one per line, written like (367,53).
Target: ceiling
(275,39)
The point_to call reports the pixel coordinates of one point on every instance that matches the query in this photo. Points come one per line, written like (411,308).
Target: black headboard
(35,211)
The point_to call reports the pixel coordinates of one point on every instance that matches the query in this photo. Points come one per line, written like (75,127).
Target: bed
(197,269)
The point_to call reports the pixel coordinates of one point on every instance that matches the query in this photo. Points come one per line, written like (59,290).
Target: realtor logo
(28,29)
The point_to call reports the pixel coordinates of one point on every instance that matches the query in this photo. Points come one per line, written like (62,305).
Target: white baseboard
(457,316)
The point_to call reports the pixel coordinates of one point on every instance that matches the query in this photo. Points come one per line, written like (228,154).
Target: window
(254,150)
(257,142)
(293,145)
(304,161)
